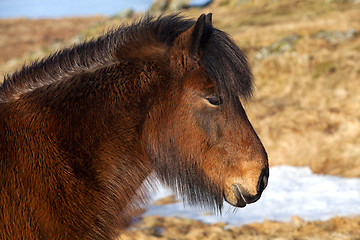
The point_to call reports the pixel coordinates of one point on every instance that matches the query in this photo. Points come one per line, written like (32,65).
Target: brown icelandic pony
(83,129)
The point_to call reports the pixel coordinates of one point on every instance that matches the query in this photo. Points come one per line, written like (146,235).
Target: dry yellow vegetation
(172,228)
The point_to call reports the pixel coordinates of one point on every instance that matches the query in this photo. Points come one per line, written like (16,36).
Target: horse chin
(240,203)
(234,197)
(237,196)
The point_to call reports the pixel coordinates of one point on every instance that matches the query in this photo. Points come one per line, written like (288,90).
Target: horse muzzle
(238,195)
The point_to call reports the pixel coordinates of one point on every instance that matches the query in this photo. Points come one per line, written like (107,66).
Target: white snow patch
(292,191)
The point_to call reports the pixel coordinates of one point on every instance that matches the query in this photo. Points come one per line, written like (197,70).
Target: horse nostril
(263,180)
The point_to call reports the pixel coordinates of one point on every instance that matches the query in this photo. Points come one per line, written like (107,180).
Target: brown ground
(306,107)
(170,228)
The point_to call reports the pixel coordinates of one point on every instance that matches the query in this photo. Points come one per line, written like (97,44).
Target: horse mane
(222,60)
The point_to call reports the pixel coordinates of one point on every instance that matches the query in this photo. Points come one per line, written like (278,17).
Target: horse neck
(94,114)
(107,105)
(92,123)
(89,124)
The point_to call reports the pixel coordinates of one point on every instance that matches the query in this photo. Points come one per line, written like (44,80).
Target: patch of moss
(322,69)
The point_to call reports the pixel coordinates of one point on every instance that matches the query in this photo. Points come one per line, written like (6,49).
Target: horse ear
(194,38)
(200,33)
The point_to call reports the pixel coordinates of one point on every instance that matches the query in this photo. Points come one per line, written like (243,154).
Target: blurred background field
(305,57)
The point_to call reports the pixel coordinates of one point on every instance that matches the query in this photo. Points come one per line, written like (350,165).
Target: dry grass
(307,105)
(172,228)
(307,101)
(23,39)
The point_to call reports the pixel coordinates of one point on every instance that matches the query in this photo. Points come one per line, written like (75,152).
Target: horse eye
(214,100)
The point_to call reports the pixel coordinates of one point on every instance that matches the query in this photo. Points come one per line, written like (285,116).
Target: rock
(126,13)
(166,200)
(297,221)
(177,5)
(160,6)
(156,231)
(278,47)
(336,37)
(233,3)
